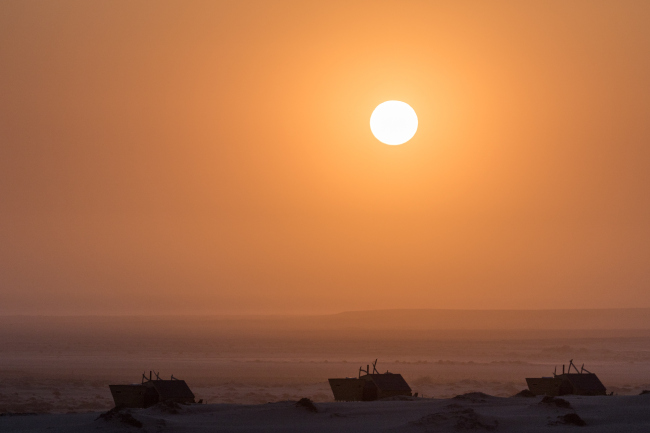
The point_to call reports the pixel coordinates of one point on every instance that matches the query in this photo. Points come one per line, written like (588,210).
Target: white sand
(602,414)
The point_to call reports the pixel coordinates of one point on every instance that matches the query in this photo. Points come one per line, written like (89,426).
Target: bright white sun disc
(393,122)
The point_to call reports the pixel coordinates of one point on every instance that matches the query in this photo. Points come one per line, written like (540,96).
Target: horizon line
(233,315)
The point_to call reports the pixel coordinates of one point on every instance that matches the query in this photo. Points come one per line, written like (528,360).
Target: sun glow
(393,122)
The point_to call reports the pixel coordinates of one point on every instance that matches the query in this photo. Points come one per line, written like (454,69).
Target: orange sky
(216,157)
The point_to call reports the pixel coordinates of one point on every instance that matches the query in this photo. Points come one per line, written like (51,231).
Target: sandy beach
(469,412)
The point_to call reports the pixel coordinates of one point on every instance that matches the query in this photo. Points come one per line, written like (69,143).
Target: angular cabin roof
(585,381)
(389,382)
(172,389)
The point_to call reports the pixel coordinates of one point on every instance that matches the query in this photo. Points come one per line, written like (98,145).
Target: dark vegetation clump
(571,419)
(645,391)
(474,397)
(524,393)
(306,403)
(557,402)
(457,419)
(116,414)
(168,406)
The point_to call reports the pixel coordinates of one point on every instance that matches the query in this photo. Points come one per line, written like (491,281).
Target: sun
(393,122)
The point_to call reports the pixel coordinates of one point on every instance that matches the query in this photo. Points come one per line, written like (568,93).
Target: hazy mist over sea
(61,364)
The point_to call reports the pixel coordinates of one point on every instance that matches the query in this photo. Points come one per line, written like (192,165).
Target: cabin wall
(392,393)
(370,391)
(563,384)
(566,388)
(545,386)
(136,396)
(348,389)
(172,390)
(586,384)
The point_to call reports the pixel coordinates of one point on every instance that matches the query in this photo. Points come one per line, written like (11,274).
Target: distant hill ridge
(370,320)
(627,318)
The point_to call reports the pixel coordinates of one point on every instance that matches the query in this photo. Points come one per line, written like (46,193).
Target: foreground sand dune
(469,412)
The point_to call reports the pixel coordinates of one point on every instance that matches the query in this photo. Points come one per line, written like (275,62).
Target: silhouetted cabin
(582,382)
(151,391)
(369,387)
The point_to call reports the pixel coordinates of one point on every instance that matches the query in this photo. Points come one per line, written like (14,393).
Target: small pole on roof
(562,368)
(582,368)
(149,374)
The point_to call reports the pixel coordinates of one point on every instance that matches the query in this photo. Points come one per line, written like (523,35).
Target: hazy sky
(216,157)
